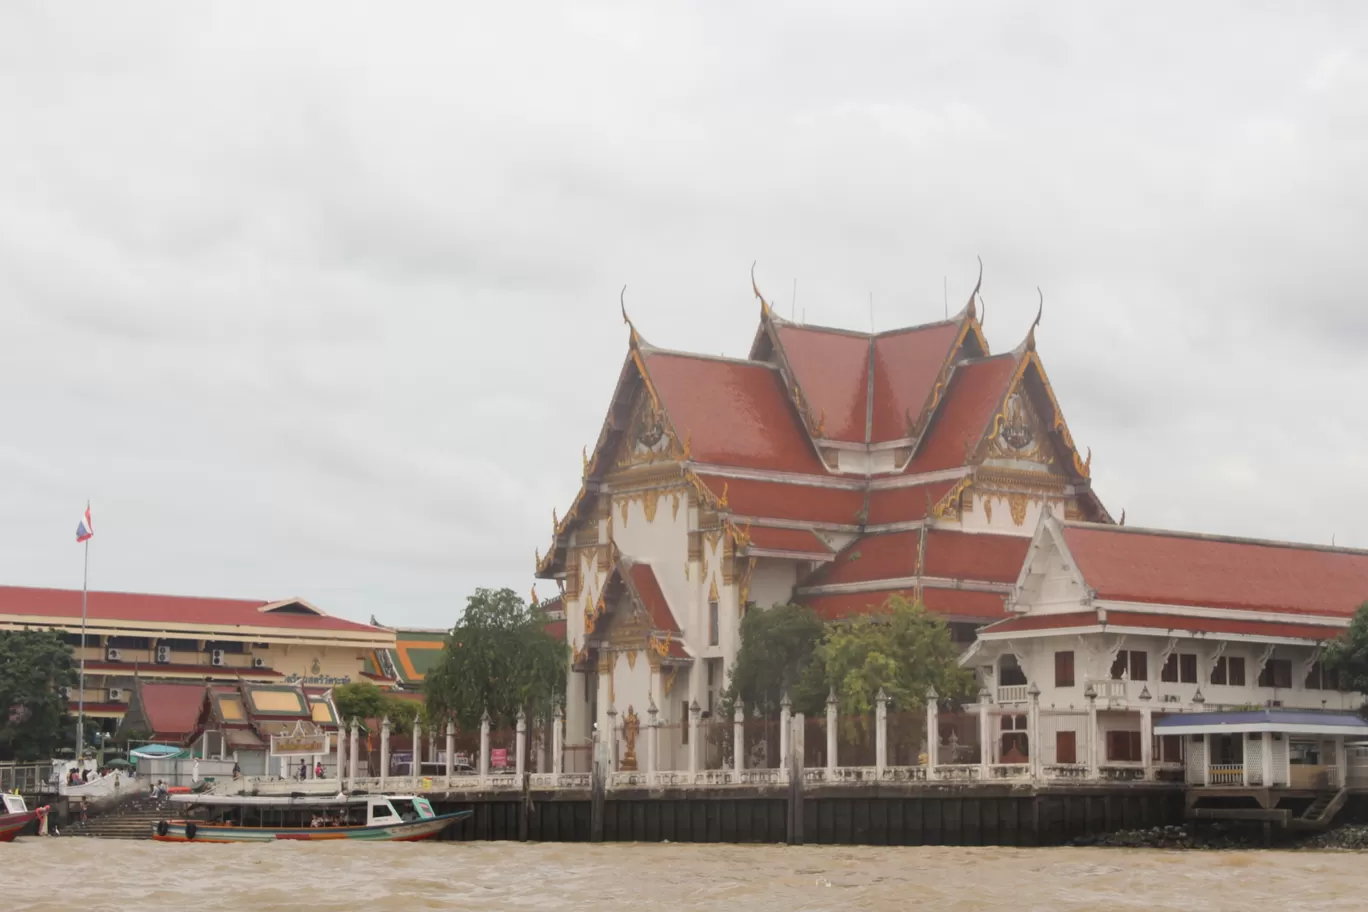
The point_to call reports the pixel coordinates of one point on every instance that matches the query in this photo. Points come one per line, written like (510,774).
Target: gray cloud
(319,299)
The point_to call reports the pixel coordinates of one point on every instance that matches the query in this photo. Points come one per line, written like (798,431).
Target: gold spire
(1040,312)
(764,305)
(969,309)
(622,302)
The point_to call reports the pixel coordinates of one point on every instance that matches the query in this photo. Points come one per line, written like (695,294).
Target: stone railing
(1013,693)
(1109,689)
(958,772)
(1067,771)
(1009,771)
(1121,773)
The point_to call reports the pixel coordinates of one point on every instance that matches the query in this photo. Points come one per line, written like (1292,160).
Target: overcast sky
(321,300)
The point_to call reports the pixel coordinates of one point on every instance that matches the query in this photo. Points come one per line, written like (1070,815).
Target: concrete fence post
(384,751)
(880,732)
(832,719)
(932,731)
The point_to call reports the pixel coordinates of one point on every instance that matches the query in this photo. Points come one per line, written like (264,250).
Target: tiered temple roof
(823,434)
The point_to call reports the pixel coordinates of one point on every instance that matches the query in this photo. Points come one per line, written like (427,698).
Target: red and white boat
(16,817)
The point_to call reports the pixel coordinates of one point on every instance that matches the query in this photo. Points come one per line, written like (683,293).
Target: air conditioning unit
(1273,704)
(164,655)
(115,695)
(217,657)
(112,655)
(258,662)
(1171,698)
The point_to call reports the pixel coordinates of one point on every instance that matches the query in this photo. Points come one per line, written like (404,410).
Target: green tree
(360,700)
(903,650)
(776,652)
(499,658)
(34,666)
(1347,654)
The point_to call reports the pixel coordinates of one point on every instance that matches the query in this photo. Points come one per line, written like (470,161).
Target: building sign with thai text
(328,680)
(300,744)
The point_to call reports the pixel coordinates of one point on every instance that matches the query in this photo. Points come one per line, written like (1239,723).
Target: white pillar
(1147,738)
(1091,694)
(652,741)
(694,711)
(1341,762)
(785,720)
(520,744)
(1266,755)
(610,741)
(1206,758)
(484,744)
(932,731)
(1033,736)
(558,741)
(416,768)
(384,751)
(832,719)
(985,699)
(450,750)
(739,739)
(352,759)
(880,732)
(340,755)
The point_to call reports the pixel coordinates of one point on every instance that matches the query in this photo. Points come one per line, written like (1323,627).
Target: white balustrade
(1012,693)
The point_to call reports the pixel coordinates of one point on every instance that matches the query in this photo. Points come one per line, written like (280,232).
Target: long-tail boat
(16,817)
(377,818)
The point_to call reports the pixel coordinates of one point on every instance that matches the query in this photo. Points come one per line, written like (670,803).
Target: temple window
(1066,746)
(1064,676)
(1321,678)
(1123,746)
(1229,670)
(1180,668)
(684,719)
(1132,663)
(714,634)
(1277,673)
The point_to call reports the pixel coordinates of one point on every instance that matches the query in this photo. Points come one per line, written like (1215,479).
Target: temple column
(785,721)
(694,711)
(1090,693)
(484,746)
(352,759)
(558,742)
(1147,737)
(416,767)
(880,732)
(1266,748)
(832,745)
(610,739)
(652,741)
(739,739)
(1033,737)
(520,744)
(932,731)
(340,755)
(1341,762)
(985,700)
(450,750)
(384,751)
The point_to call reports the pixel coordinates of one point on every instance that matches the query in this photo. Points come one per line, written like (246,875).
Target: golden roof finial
(584,457)
(764,305)
(1123,517)
(722,501)
(1040,312)
(622,302)
(555,521)
(969,308)
(1087,463)
(535,603)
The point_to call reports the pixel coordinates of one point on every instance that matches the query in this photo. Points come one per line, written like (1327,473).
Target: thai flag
(85,530)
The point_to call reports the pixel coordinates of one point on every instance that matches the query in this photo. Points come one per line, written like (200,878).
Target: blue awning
(1286,721)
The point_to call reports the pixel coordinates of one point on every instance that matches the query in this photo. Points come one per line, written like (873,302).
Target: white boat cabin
(14,804)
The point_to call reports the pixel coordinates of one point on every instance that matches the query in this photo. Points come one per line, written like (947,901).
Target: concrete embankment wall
(1007,817)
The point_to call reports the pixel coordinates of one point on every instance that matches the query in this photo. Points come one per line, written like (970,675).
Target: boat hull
(12,824)
(407,831)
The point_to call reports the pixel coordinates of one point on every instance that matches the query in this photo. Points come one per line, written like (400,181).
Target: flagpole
(80,710)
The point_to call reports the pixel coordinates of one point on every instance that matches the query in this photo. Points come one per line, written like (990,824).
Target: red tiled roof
(949,555)
(893,505)
(832,369)
(209,671)
(1164,622)
(98,707)
(652,598)
(975,391)
(765,538)
(953,603)
(1044,622)
(779,500)
(735,413)
(171,709)
(906,364)
(129,606)
(556,629)
(1174,569)
(1221,625)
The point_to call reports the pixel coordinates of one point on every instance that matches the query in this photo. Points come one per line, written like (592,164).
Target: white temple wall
(996,517)
(773,581)
(661,541)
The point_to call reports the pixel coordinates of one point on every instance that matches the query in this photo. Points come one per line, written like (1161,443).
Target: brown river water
(96,875)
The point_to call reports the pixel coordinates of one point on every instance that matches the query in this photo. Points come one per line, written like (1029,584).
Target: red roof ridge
(649,350)
(835,482)
(205,598)
(1210,537)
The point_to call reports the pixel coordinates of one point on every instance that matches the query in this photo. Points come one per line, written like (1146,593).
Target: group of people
(328,820)
(304,770)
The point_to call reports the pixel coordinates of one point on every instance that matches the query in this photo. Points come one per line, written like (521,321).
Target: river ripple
(111,876)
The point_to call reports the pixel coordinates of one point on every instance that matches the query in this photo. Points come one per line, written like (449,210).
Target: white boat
(375,818)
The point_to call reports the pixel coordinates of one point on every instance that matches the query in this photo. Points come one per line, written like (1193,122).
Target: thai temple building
(835,468)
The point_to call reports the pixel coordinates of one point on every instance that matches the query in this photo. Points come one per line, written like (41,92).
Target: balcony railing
(1012,693)
(1225,774)
(1109,689)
